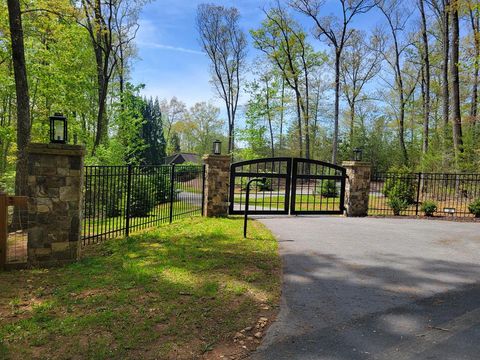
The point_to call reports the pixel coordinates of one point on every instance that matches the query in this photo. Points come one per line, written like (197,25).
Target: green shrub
(429,207)
(258,186)
(265,186)
(474,208)
(141,200)
(328,188)
(187,172)
(401,187)
(113,207)
(397,204)
(149,192)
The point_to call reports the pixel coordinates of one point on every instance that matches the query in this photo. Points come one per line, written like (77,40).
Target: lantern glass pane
(59,130)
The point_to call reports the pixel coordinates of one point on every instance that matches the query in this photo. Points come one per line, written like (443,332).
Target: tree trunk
(337,107)
(401,129)
(475,22)
(282,105)
(445,78)
(426,76)
(299,118)
(21,88)
(454,64)
(352,121)
(269,118)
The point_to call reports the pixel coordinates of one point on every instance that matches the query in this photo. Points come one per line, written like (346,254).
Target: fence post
(419,181)
(172,189)
(55,183)
(357,187)
(203,189)
(3,229)
(217,179)
(129,196)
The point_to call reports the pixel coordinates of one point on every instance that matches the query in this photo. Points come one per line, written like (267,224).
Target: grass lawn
(302,202)
(93,226)
(179,292)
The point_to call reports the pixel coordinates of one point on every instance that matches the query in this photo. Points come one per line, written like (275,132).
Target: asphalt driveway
(368,288)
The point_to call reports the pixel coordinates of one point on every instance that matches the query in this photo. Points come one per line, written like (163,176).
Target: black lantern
(357,154)
(58,129)
(217,147)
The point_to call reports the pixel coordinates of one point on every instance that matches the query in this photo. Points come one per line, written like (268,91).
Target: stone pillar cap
(56,149)
(352,163)
(213,156)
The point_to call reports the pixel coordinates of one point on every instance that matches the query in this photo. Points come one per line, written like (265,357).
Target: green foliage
(143,276)
(474,208)
(7,182)
(400,185)
(429,207)
(397,204)
(175,143)
(257,185)
(153,153)
(142,201)
(328,188)
(186,172)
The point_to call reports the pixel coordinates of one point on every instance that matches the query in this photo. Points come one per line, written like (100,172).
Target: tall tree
(225,44)
(172,112)
(397,17)
(425,77)
(22,94)
(474,14)
(455,76)
(337,33)
(206,126)
(152,133)
(112,26)
(361,63)
(441,9)
(284,43)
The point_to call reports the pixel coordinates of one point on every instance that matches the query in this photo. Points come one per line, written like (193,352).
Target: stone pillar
(55,182)
(217,179)
(357,187)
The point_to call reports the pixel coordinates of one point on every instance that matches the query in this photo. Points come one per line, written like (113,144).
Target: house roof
(187,157)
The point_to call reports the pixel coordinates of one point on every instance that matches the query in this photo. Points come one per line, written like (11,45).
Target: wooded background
(406,92)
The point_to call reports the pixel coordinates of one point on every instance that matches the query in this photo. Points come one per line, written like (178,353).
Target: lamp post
(217,147)
(58,129)
(357,154)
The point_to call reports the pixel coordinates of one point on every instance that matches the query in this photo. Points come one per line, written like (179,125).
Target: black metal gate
(293,186)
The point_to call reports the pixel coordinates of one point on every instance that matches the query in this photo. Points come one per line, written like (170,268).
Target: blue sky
(170,60)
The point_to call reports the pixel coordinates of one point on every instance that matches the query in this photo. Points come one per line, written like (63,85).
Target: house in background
(181,158)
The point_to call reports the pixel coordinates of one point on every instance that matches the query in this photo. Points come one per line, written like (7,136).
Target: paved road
(367,288)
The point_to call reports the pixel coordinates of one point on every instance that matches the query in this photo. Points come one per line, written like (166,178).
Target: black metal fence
(119,200)
(404,194)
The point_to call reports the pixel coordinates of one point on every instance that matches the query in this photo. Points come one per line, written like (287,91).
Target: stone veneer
(55,180)
(217,178)
(357,187)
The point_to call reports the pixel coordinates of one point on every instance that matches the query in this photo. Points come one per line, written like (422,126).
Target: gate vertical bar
(172,180)
(232,188)
(292,176)
(129,194)
(419,181)
(342,191)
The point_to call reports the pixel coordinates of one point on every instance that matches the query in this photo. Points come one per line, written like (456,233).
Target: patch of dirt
(241,344)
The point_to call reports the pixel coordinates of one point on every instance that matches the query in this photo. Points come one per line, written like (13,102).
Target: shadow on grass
(177,289)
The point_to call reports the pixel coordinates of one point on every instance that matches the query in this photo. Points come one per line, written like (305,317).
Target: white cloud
(169,47)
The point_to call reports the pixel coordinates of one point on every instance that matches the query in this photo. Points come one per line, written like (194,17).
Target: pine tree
(152,134)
